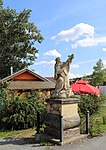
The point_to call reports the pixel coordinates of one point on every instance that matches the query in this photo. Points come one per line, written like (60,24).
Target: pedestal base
(68,127)
(68,140)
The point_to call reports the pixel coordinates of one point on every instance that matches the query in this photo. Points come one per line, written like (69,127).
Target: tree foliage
(99,74)
(17,40)
(2,99)
(1,3)
(85,77)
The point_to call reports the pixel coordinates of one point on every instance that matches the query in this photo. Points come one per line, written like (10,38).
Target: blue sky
(69,27)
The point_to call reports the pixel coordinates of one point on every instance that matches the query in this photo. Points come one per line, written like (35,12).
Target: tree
(85,77)
(17,40)
(98,76)
(1,3)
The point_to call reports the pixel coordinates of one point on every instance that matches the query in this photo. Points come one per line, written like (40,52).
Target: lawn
(18,134)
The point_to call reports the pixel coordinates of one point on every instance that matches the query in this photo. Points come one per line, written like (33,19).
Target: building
(25,81)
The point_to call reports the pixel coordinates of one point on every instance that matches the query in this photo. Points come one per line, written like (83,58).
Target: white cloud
(84,43)
(83,35)
(74,33)
(53,52)
(94,41)
(71,76)
(75,66)
(43,62)
(104,49)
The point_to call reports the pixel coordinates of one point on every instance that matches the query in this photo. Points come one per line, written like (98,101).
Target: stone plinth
(67,109)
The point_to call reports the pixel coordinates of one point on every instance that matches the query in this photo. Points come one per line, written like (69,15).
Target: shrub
(94,126)
(2,99)
(95,129)
(22,114)
(104,119)
(90,102)
(3,102)
(83,124)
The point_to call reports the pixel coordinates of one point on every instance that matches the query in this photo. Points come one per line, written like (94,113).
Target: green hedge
(21,114)
(90,102)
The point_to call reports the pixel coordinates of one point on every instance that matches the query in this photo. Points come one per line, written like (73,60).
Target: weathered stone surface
(53,120)
(71,122)
(63,101)
(68,133)
(54,132)
(71,133)
(62,87)
(67,110)
(63,107)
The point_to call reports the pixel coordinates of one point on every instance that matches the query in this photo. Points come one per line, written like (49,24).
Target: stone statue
(62,87)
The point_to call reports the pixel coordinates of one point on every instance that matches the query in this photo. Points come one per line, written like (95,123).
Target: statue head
(57,59)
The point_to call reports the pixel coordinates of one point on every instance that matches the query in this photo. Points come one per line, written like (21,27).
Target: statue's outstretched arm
(70,57)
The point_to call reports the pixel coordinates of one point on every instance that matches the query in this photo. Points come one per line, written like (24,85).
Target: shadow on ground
(31,141)
(21,141)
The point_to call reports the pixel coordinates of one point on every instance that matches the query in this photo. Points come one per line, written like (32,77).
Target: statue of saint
(62,87)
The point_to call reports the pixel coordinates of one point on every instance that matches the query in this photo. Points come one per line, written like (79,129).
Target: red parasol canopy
(83,87)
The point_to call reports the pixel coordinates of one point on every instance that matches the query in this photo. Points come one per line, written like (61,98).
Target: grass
(102,114)
(18,134)
(97,122)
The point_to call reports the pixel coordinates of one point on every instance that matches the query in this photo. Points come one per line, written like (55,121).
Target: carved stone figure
(62,87)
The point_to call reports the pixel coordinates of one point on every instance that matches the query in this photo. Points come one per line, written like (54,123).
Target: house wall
(26,76)
(23,94)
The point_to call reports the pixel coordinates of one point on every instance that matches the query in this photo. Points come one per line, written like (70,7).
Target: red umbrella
(83,87)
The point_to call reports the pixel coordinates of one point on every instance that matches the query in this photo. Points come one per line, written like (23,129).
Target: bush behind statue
(90,102)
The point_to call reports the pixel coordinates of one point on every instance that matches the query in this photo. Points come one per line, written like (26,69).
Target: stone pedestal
(67,110)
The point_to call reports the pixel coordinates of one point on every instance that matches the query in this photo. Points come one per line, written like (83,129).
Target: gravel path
(97,143)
